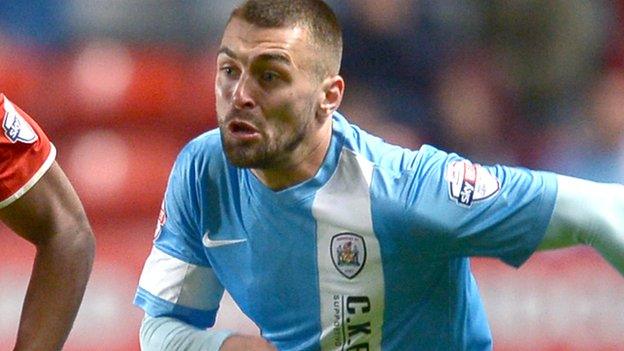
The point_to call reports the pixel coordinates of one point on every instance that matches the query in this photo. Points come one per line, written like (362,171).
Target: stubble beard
(266,153)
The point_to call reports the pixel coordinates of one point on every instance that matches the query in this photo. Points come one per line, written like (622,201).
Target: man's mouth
(243,130)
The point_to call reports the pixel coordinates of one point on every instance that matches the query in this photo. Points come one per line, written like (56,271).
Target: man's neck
(302,167)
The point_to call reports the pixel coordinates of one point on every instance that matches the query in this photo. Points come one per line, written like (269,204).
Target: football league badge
(348,253)
(15,126)
(469,182)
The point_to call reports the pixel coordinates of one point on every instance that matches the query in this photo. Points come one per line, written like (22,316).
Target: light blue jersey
(370,254)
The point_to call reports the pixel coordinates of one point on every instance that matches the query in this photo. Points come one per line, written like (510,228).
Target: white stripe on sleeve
(179,282)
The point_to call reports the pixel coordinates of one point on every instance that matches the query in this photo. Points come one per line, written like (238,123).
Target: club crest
(469,182)
(348,253)
(15,126)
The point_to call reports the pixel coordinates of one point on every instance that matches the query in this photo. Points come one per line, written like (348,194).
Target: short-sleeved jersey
(372,253)
(25,152)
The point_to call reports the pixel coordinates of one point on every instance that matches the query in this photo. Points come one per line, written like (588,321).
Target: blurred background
(121,85)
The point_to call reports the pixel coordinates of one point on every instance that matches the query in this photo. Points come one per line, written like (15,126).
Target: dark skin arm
(51,217)
(246,342)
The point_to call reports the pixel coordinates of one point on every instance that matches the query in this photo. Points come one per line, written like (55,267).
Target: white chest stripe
(349,260)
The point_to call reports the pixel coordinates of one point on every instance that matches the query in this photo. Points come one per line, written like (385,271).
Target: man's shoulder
(207,144)
(383,155)
(202,151)
(26,153)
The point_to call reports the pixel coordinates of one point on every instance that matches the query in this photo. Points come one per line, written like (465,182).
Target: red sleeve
(25,152)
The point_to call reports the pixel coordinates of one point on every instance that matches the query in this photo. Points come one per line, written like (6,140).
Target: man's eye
(269,76)
(229,71)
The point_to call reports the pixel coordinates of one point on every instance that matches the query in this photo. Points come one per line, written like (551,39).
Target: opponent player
(327,237)
(39,204)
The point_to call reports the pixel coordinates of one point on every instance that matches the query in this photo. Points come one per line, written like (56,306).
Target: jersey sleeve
(26,153)
(453,207)
(177,279)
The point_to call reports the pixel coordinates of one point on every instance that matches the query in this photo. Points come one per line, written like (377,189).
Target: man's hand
(246,343)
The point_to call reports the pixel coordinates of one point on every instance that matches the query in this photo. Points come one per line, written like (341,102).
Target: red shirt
(25,152)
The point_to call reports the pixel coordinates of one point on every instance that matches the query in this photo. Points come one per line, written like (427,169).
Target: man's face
(266,93)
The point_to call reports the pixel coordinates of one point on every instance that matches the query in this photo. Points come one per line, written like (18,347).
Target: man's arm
(588,213)
(51,217)
(164,333)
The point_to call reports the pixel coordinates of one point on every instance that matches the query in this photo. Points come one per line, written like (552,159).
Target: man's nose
(242,94)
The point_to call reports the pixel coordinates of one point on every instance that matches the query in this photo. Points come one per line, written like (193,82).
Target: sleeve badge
(469,182)
(16,128)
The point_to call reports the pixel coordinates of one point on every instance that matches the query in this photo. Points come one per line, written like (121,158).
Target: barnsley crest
(15,126)
(348,252)
(470,182)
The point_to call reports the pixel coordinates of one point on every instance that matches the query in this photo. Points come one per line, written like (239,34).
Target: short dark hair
(314,15)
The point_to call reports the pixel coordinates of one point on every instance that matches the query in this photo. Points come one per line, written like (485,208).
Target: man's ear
(332,91)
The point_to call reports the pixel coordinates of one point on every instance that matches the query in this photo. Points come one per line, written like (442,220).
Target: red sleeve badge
(25,152)
(469,182)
